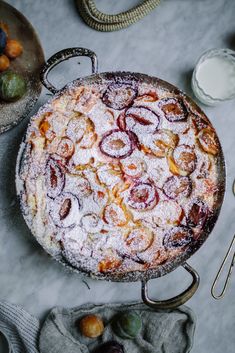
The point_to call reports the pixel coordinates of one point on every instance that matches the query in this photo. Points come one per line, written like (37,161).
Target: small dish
(214,77)
(28,64)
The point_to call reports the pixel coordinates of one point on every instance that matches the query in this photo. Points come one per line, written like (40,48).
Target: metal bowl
(161,270)
(28,64)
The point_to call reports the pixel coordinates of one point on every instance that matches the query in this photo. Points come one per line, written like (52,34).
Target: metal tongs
(213,288)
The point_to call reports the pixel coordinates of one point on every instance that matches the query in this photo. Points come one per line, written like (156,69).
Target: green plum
(12,86)
(127,325)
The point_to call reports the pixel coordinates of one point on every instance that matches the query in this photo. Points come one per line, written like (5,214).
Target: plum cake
(118,176)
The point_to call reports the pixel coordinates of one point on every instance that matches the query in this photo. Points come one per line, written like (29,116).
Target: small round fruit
(110,347)
(12,86)
(91,326)
(3,40)
(4,63)
(127,325)
(13,48)
(4,27)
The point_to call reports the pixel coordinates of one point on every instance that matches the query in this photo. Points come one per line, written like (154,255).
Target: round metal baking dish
(161,270)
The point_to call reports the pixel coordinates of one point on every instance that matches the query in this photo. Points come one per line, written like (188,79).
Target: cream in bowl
(213,78)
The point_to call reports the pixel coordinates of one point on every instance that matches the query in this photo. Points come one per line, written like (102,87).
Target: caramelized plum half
(117,144)
(208,141)
(88,140)
(91,223)
(116,215)
(143,196)
(109,174)
(150,96)
(119,96)
(204,166)
(177,237)
(110,262)
(162,141)
(54,178)
(45,127)
(168,212)
(78,126)
(177,187)
(133,167)
(198,214)
(100,196)
(182,160)
(138,240)
(141,120)
(198,122)
(83,186)
(64,210)
(173,109)
(86,98)
(65,148)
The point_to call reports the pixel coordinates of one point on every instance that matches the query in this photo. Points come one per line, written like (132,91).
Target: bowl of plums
(21,58)
(120,176)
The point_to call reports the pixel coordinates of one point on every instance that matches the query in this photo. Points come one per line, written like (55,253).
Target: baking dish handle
(175,301)
(63,55)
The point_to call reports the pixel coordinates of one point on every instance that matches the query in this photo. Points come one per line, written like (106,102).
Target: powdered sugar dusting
(87,183)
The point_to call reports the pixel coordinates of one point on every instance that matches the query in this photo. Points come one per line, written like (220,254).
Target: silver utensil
(228,278)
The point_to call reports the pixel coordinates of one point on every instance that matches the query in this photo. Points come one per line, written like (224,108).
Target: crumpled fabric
(163,331)
(20,329)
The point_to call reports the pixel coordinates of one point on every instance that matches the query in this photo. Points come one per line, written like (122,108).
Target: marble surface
(166,44)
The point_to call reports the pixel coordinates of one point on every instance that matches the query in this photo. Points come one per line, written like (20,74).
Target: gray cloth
(162,331)
(20,329)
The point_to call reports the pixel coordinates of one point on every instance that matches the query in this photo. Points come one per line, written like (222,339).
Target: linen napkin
(162,331)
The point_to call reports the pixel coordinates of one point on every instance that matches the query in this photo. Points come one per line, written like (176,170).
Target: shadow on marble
(230,40)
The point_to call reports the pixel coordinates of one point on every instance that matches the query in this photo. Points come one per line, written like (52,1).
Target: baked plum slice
(55,178)
(65,148)
(100,196)
(138,240)
(119,95)
(177,187)
(198,214)
(173,109)
(141,120)
(78,126)
(83,186)
(110,262)
(65,209)
(150,96)
(143,196)
(177,237)
(116,215)
(91,223)
(182,160)
(133,167)
(208,141)
(168,212)
(109,174)
(162,141)
(45,127)
(118,144)
(198,122)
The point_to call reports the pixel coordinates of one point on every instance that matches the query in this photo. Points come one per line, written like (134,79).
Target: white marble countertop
(166,44)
